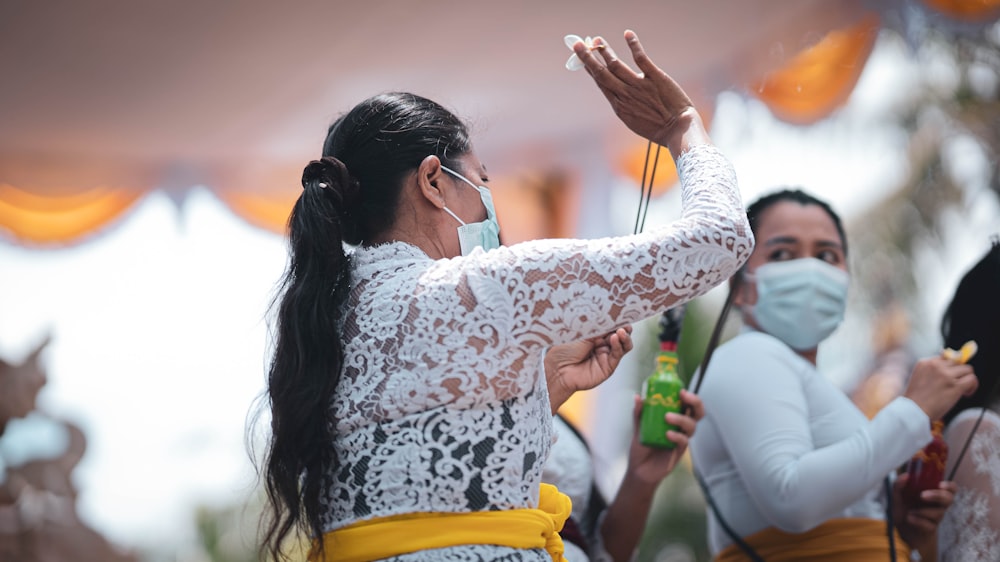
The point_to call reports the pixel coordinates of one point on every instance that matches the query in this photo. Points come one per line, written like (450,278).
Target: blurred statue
(38,519)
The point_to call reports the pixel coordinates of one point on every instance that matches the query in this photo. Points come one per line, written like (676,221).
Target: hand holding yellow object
(963,355)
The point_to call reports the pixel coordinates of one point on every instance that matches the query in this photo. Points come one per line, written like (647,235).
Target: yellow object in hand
(963,355)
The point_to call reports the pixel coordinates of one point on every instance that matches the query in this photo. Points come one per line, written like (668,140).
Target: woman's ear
(429,175)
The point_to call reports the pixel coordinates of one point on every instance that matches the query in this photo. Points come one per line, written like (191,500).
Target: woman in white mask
(409,411)
(792,469)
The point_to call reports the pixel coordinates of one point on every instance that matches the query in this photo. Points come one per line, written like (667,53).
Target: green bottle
(661,393)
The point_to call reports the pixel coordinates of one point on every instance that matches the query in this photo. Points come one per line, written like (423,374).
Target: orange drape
(969,10)
(60,217)
(268,210)
(665,176)
(261,192)
(820,78)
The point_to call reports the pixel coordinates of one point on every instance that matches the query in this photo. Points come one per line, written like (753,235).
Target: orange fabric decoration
(969,10)
(666,170)
(820,78)
(61,217)
(268,210)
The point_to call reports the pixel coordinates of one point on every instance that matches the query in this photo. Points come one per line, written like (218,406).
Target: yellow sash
(394,535)
(837,540)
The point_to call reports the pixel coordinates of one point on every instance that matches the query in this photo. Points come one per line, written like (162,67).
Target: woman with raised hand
(791,467)
(410,415)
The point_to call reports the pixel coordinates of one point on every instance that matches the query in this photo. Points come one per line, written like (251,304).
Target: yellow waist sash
(394,535)
(837,540)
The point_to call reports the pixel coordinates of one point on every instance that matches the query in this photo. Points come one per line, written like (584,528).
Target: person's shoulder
(967,419)
(754,343)
(738,360)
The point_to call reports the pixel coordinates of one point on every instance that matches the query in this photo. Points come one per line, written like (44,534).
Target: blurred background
(150,154)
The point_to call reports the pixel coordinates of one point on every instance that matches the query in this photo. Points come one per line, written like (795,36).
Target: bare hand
(651,464)
(937,383)
(649,102)
(584,364)
(918,523)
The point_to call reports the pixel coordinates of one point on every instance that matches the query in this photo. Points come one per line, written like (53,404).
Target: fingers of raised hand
(923,522)
(962,375)
(692,400)
(625,338)
(594,66)
(639,55)
(684,423)
(679,439)
(636,410)
(936,499)
(969,382)
(616,66)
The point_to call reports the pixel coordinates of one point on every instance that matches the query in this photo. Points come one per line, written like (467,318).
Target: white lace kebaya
(442,405)
(970,530)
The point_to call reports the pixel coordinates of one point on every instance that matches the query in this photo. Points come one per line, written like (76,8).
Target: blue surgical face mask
(800,302)
(484,234)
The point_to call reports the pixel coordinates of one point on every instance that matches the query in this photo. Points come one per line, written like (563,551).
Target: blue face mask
(484,234)
(800,302)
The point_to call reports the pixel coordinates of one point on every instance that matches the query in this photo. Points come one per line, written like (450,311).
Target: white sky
(159,343)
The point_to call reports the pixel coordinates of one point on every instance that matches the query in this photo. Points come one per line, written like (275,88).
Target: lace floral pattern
(442,405)
(970,530)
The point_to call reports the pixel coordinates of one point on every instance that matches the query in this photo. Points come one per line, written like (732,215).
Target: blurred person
(970,530)
(409,414)
(791,467)
(597,530)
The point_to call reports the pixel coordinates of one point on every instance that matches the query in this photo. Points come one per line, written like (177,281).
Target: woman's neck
(809,356)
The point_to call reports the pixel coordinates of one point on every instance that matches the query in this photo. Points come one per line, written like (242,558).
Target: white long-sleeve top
(781,446)
(442,404)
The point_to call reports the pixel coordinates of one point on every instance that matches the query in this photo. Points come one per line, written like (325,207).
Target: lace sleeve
(970,530)
(557,291)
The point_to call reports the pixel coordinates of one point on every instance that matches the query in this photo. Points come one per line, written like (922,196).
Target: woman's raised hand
(649,102)
(937,383)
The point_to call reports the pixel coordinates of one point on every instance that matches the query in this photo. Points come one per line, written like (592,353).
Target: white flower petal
(571,40)
(574,63)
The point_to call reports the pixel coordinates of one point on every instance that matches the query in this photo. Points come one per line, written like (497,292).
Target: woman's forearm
(625,518)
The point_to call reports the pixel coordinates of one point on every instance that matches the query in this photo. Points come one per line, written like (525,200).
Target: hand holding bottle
(925,471)
(651,464)
(918,522)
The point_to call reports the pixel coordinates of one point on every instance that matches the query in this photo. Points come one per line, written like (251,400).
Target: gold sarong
(837,540)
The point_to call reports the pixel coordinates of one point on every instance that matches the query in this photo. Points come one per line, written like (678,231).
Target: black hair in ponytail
(349,196)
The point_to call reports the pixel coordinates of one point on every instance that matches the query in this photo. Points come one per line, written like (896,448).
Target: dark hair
(974,314)
(349,196)
(757,208)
